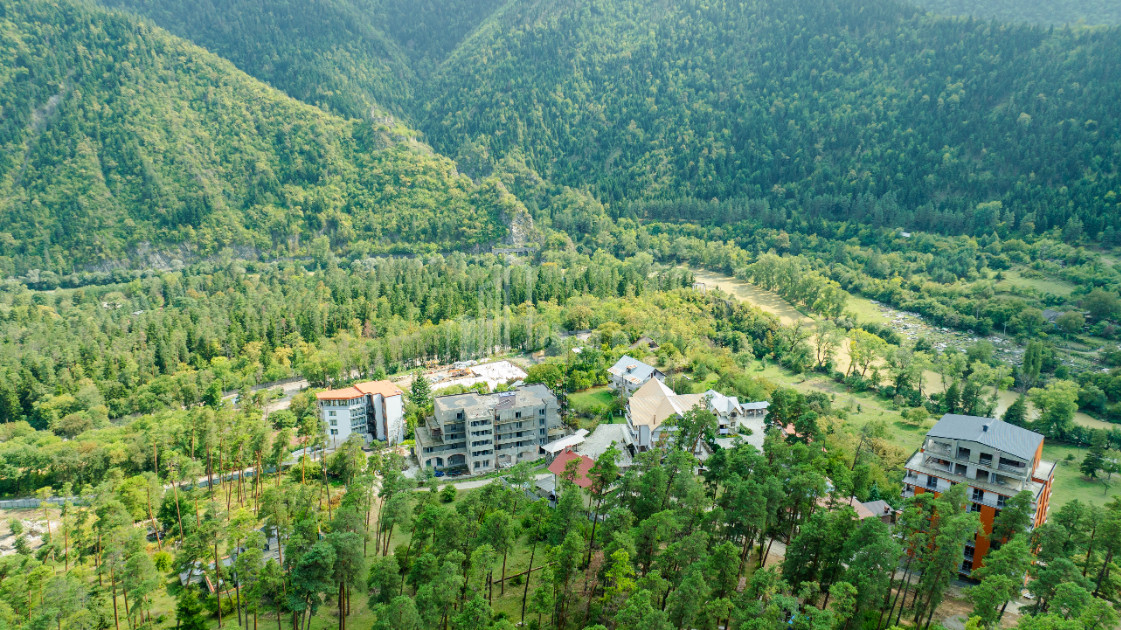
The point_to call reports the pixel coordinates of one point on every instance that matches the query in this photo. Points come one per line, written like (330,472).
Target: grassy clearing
(864,310)
(1070,484)
(1006,398)
(1047,284)
(860,407)
(589,400)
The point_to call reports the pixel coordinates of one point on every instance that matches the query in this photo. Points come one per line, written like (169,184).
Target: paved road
(469,484)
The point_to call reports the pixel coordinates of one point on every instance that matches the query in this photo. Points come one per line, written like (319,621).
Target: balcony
(935,447)
(1019,470)
(939,464)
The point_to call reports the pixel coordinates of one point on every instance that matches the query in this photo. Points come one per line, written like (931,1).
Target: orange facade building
(996,460)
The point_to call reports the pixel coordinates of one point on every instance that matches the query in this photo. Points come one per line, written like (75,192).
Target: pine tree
(189,611)
(1092,463)
(1017,412)
(421,392)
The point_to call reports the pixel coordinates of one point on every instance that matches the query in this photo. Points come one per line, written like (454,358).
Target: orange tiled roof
(385,388)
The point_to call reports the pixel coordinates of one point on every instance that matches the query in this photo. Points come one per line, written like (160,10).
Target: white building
(375,410)
(628,374)
(654,403)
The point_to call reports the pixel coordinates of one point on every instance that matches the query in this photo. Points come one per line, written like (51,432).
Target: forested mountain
(343,55)
(801,102)
(873,112)
(1064,12)
(116,135)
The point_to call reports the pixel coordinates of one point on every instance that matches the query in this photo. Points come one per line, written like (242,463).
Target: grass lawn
(861,407)
(1069,483)
(586,401)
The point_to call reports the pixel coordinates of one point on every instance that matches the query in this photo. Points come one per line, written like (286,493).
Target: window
(517,414)
(1000,500)
(334,422)
(931,481)
(978,494)
(334,431)
(330,413)
(974,507)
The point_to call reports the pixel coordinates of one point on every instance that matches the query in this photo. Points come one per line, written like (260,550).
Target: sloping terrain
(116,135)
(1060,12)
(347,56)
(866,111)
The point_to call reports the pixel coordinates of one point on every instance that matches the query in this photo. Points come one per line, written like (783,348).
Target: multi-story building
(654,403)
(629,374)
(482,432)
(374,410)
(996,460)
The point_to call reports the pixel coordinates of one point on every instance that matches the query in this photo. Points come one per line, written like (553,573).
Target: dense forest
(801,103)
(117,137)
(1087,12)
(871,113)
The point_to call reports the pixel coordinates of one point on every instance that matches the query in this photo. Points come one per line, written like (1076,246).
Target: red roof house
(582,468)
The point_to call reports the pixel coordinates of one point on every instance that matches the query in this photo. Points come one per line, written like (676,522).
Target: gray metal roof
(998,434)
(630,367)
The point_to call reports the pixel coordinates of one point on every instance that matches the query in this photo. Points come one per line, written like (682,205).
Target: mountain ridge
(168,144)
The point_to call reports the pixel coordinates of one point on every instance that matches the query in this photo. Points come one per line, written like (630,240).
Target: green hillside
(330,54)
(116,135)
(873,112)
(1036,11)
(865,111)
(342,55)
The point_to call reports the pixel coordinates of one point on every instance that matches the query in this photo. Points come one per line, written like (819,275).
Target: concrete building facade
(374,409)
(484,432)
(994,459)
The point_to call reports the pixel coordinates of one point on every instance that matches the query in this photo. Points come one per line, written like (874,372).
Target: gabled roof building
(653,404)
(628,374)
(995,459)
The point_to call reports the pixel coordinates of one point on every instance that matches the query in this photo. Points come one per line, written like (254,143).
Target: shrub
(447,494)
